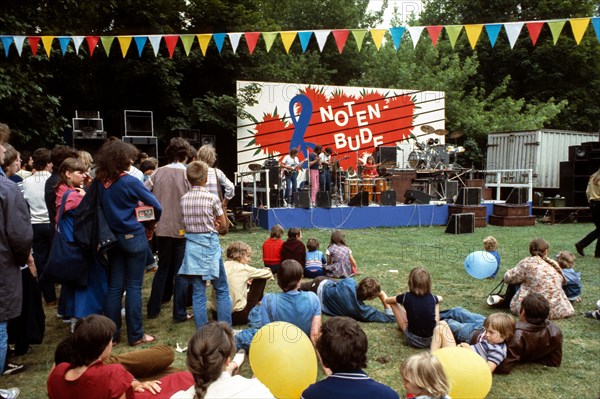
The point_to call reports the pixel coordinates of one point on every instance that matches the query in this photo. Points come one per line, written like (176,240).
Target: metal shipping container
(540,150)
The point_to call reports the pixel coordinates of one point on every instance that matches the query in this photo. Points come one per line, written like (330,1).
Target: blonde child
(417,311)
(490,344)
(315,259)
(340,262)
(572,284)
(271,249)
(490,244)
(424,377)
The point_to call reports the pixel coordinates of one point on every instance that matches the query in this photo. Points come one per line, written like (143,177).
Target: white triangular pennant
(513,29)
(19,43)
(234,38)
(155,42)
(321,36)
(415,33)
(77,40)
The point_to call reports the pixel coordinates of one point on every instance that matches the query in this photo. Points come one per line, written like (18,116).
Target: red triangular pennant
(92,41)
(534,29)
(340,36)
(171,42)
(33,43)
(434,33)
(251,40)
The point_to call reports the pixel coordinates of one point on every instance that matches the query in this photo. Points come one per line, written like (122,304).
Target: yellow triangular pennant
(359,37)
(203,40)
(124,42)
(269,39)
(377,35)
(47,42)
(579,25)
(556,28)
(288,38)
(473,31)
(453,33)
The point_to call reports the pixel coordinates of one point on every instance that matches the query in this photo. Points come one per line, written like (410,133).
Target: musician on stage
(325,159)
(313,166)
(290,165)
(370,168)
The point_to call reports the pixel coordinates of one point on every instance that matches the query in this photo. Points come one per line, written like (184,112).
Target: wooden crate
(478,210)
(512,221)
(511,210)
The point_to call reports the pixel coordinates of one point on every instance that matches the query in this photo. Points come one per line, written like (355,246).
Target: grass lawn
(377,252)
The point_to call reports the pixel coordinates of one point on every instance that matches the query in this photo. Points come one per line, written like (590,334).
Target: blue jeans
(167,279)
(462,323)
(3,345)
(325,180)
(221,288)
(291,185)
(127,263)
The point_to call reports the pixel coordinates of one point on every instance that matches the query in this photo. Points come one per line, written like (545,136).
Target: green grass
(379,250)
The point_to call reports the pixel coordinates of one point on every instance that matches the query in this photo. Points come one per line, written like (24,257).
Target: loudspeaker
(416,197)
(276,198)
(360,199)
(148,145)
(468,196)
(301,199)
(323,199)
(388,198)
(386,156)
(461,223)
(518,195)
(578,152)
(451,190)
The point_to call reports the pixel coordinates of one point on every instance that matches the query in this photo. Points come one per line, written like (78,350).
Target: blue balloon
(480,264)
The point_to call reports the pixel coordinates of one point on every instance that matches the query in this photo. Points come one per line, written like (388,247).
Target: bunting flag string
(513,30)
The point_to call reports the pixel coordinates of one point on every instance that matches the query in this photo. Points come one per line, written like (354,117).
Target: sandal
(147,338)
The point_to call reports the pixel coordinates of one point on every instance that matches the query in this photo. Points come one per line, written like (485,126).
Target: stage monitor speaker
(276,198)
(518,195)
(416,197)
(301,199)
(388,198)
(451,190)
(468,196)
(360,199)
(578,152)
(461,223)
(323,199)
(386,156)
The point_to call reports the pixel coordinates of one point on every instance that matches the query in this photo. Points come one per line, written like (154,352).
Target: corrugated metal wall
(540,150)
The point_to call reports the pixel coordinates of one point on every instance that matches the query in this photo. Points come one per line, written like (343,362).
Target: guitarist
(290,165)
(325,171)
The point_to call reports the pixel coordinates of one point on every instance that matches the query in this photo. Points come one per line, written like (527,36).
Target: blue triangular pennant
(140,42)
(64,42)
(492,31)
(596,23)
(304,37)
(397,33)
(219,38)
(6,42)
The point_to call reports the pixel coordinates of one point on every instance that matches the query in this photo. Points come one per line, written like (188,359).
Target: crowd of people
(181,209)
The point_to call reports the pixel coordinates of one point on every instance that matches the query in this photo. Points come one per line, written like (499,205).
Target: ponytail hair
(539,247)
(208,351)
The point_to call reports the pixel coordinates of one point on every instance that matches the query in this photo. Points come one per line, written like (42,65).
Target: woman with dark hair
(86,376)
(541,275)
(120,194)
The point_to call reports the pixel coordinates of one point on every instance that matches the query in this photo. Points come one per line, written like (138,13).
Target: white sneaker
(10,393)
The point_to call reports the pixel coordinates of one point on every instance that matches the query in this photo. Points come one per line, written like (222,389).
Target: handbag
(500,298)
(67,261)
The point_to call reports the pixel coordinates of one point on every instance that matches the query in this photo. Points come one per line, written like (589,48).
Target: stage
(358,217)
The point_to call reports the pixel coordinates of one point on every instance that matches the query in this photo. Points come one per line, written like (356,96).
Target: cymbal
(441,132)
(427,129)
(254,167)
(456,135)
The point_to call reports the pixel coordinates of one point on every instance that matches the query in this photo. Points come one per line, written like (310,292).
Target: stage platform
(358,217)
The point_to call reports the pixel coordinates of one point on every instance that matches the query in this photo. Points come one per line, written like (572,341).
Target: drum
(417,159)
(351,188)
(368,185)
(380,186)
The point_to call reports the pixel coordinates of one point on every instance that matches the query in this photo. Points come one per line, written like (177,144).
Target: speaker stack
(461,223)
(416,197)
(301,199)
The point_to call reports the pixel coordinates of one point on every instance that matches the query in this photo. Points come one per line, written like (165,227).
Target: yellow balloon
(283,358)
(469,374)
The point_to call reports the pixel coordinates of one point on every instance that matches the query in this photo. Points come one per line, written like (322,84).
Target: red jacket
(272,251)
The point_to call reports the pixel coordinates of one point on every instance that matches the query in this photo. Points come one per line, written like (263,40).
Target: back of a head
(91,336)
(536,308)
(538,247)
(59,154)
(294,232)
(338,237)
(419,281)
(312,244)
(114,158)
(490,243)
(197,173)
(237,250)
(368,288)
(41,158)
(276,231)
(425,372)
(289,275)
(179,150)
(207,154)
(565,259)
(342,345)
(208,350)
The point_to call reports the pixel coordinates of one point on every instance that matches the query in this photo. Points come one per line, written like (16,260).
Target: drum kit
(374,188)
(431,154)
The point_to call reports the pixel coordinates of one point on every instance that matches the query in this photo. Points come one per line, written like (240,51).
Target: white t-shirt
(289,161)
(230,387)
(33,191)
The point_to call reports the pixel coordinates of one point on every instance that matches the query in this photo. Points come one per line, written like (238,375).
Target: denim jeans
(291,185)
(221,288)
(462,323)
(42,241)
(127,263)
(167,279)
(325,180)
(3,345)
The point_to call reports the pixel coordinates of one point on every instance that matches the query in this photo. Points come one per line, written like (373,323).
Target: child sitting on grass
(340,262)
(490,343)
(417,311)
(424,377)
(271,249)
(315,259)
(293,247)
(572,284)
(490,244)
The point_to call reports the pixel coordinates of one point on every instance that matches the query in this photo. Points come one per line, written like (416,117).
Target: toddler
(424,377)
(315,259)
(340,262)
(490,244)
(572,283)
(417,311)
(271,249)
